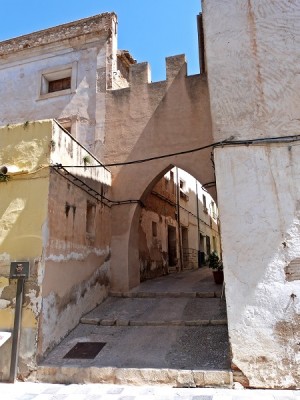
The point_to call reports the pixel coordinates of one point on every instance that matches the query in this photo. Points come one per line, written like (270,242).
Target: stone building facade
(75,74)
(177,200)
(81,55)
(244,109)
(49,218)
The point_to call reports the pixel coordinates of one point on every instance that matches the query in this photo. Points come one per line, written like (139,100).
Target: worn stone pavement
(170,330)
(44,391)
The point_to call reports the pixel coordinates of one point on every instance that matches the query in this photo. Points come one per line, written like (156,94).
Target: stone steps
(170,331)
(158,311)
(145,295)
(123,322)
(134,376)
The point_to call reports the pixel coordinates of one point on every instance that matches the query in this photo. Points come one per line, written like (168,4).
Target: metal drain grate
(85,350)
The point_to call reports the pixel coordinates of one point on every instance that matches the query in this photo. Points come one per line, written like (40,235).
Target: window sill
(56,94)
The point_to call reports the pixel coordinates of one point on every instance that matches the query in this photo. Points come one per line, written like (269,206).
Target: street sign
(19,269)
(4,336)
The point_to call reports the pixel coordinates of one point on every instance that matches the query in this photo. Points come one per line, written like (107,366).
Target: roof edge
(94,24)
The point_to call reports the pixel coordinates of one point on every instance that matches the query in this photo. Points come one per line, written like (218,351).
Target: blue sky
(149,29)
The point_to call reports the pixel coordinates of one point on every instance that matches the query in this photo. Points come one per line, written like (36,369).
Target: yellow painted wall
(25,150)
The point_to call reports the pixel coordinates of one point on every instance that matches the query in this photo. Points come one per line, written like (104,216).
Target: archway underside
(152,120)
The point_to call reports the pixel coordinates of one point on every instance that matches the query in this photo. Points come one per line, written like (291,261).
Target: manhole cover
(85,350)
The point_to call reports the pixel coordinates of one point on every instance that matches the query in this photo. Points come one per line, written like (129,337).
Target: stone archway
(150,120)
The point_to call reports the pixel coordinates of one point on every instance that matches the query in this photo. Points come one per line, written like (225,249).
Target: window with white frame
(58,81)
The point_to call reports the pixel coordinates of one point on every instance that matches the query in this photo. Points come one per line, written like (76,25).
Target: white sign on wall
(4,336)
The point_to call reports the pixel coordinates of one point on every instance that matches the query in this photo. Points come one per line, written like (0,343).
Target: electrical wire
(226,142)
(92,192)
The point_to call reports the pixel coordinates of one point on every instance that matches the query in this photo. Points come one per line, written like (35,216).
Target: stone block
(107,322)
(218,378)
(122,322)
(199,378)
(185,379)
(90,321)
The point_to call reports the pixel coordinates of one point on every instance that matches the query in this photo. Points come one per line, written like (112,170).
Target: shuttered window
(59,84)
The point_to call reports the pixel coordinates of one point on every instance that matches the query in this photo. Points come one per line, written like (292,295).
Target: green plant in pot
(216,264)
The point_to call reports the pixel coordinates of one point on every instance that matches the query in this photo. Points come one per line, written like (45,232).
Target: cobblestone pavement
(45,391)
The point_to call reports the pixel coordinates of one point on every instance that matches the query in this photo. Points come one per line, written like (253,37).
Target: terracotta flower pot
(218,277)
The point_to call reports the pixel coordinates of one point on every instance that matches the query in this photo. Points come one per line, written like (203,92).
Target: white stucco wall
(253,63)
(86,47)
(260,237)
(253,58)
(20,85)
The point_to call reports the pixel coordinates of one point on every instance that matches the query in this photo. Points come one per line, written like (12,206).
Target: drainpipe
(178,221)
(198,223)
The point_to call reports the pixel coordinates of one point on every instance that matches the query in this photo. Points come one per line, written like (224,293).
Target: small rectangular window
(154,229)
(58,81)
(59,84)
(205,210)
(90,218)
(166,183)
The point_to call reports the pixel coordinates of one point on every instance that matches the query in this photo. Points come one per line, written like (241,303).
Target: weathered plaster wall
(253,58)
(153,250)
(77,254)
(23,211)
(260,238)
(86,45)
(63,231)
(160,207)
(150,118)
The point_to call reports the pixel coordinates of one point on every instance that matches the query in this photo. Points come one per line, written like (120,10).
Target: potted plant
(216,264)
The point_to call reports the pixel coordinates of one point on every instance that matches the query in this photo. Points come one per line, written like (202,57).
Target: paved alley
(170,330)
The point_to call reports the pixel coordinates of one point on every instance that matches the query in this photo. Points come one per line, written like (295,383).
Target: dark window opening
(59,84)
(172,246)
(154,229)
(90,218)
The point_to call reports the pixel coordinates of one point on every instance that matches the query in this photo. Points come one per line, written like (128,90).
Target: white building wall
(89,48)
(253,58)
(20,84)
(208,216)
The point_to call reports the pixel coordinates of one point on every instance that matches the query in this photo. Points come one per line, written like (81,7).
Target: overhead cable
(226,142)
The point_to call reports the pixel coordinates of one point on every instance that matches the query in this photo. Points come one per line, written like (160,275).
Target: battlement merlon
(92,25)
(140,73)
(174,65)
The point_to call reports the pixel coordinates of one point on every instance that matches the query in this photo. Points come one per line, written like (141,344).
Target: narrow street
(169,330)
